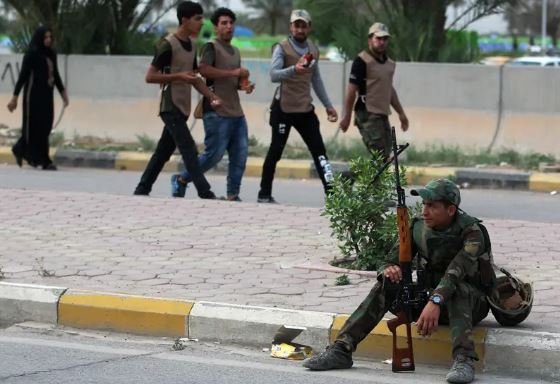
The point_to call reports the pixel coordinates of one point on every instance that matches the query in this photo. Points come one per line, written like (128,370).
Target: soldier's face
(437,215)
(378,44)
(300,30)
(224,29)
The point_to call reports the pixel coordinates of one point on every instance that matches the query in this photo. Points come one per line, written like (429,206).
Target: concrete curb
(305,169)
(519,352)
(27,302)
(256,326)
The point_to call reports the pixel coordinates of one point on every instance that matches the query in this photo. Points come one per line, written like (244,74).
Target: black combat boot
(335,357)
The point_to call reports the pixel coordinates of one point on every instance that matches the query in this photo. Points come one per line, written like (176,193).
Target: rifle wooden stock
(405,240)
(403,358)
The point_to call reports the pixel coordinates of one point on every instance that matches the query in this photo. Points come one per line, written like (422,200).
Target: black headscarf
(37,43)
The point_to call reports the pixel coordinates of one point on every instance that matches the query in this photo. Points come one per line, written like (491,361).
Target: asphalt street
(36,353)
(491,204)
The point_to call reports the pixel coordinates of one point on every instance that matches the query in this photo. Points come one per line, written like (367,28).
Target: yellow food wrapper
(291,351)
(283,347)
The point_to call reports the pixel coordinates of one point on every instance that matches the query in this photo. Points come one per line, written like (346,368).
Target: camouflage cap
(379,30)
(439,190)
(300,14)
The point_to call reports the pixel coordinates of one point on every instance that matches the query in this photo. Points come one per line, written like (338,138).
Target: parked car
(537,61)
(495,60)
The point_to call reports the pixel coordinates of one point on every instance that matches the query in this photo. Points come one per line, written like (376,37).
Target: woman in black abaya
(38,76)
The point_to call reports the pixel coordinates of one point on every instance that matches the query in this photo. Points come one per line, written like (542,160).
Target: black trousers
(307,124)
(175,134)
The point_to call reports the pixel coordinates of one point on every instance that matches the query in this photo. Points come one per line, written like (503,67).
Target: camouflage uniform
(452,259)
(375,131)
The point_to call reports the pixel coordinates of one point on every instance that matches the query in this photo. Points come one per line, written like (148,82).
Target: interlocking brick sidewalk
(240,253)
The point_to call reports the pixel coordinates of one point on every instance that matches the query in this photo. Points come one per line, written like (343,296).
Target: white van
(536,61)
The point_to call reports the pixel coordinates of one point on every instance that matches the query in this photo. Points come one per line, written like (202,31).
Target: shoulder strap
(486,235)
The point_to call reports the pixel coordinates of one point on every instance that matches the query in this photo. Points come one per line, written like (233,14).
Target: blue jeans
(221,134)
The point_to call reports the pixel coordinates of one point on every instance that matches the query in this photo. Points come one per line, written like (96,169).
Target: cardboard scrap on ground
(283,346)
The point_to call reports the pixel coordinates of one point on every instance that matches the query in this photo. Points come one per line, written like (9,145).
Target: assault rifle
(410,298)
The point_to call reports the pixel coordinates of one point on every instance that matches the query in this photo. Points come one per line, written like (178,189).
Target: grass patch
(344,150)
(147,144)
(342,280)
(256,148)
(56,139)
(455,156)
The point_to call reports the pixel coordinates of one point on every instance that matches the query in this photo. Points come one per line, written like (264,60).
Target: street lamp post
(543,26)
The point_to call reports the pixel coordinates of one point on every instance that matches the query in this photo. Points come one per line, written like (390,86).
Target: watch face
(436,300)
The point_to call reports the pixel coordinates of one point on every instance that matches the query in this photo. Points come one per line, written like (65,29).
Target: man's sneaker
(208,195)
(139,191)
(335,357)
(462,370)
(178,189)
(266,199)
(230,198)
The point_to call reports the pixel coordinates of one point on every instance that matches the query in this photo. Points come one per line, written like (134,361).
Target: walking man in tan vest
(371,78)
(295,65)
(174,67)
(225,126)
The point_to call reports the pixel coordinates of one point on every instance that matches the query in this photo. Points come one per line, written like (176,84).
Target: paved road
(494,204)
(32,353)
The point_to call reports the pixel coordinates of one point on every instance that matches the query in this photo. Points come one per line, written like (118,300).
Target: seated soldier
(452,242)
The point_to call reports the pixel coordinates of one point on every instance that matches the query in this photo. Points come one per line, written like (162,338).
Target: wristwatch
(436,299)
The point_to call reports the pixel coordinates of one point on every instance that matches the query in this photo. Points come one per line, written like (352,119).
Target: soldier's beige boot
(462,370)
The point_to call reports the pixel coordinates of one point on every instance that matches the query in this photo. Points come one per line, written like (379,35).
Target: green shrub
(364,228)
(56,139)
(342,280)
(147,144)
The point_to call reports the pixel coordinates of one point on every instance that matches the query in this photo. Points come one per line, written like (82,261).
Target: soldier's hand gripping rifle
(409,298)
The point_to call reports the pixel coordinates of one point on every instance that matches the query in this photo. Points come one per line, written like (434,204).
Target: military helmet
(511,300)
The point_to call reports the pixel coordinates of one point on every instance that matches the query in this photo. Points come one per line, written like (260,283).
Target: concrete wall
(472,106)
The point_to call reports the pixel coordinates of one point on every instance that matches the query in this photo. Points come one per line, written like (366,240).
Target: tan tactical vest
(226,88)
(295,92)
(379,84)
(181,60)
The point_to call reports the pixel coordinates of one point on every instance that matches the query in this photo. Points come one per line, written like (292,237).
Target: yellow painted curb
(544,182)
(253,167)
(293,169)
(284,169)
(423,175)
(136,161)
(124,313)
(6,156)
(435,349)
